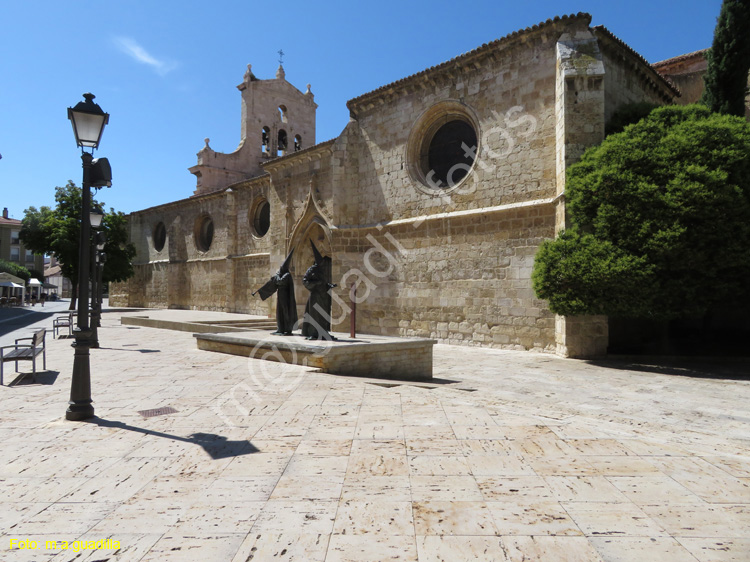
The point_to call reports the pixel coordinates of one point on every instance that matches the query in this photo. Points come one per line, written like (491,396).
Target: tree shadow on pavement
(25,318)
(735,368)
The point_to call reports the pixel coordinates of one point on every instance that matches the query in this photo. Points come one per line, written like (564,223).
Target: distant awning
(46,285)
(8,277)
(10,284)
(35,283)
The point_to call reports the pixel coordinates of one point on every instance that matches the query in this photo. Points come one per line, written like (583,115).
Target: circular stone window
(159,236)
(442,147)
(261,218)
(204,233)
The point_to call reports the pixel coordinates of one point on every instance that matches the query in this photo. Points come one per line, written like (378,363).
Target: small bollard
(353,312)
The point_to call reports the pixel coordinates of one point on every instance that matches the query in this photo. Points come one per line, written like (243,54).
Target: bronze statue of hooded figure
(286,305)
(316,324)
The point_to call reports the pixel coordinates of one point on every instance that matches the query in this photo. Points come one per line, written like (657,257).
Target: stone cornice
(417,221)
(243,184)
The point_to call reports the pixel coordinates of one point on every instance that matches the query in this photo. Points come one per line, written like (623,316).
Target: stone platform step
(377,357)
(200,326)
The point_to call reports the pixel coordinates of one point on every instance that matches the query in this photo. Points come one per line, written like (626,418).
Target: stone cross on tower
(281,56)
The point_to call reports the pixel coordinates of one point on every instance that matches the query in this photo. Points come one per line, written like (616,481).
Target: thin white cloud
(131,48)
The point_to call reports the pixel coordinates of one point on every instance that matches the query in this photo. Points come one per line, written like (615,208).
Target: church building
(431,203)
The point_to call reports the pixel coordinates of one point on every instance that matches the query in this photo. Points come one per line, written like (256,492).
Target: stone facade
(12,248)
(447,258)
(686,72)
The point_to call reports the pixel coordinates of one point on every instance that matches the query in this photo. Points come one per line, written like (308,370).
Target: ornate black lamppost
(97,244)
(88,121)
(96,285)
(101,258)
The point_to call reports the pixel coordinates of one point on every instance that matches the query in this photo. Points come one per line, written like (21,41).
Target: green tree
(729,60)
(627,115)
(659,220)
(36,274)
(118,249)
(15,269)
(57,232)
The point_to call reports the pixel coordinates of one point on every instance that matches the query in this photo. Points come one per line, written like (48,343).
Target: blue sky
(166,71)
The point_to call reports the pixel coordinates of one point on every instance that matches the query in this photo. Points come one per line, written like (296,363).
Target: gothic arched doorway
(316,232)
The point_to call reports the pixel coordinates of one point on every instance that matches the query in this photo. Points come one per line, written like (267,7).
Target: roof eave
(356,103)
(657,79)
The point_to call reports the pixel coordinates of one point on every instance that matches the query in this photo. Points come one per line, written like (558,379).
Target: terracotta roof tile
(681,58)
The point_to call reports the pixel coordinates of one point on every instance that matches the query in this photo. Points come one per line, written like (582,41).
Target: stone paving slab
(508,456)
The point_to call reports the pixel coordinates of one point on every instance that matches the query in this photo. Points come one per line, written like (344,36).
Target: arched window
(282,143)
(265,140)
(442,147)
(260,217)
(282,113)
(448,162)
(297,143)
(159,236)
(203,233)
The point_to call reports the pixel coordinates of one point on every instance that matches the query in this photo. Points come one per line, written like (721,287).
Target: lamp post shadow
(217,446)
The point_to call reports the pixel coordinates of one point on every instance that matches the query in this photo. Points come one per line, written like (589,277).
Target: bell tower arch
(276,119)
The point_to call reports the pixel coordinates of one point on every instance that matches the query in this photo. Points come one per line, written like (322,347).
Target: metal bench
(25,352)
(62,321)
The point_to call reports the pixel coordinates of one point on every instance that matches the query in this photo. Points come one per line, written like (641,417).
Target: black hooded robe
(286,305)
(317,321)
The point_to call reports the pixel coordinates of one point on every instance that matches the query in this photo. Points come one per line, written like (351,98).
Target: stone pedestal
(408,359)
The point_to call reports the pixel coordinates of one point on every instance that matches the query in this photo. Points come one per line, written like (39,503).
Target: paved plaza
(507,456)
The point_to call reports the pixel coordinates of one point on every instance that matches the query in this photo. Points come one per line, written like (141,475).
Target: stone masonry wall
(251,273)
(464,280)
(466,275)
(626,81)
(181,275)
(511,98)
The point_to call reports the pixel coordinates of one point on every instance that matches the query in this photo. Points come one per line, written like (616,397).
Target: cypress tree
(729,60)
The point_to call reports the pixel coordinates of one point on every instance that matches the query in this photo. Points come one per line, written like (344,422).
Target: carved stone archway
(311,226)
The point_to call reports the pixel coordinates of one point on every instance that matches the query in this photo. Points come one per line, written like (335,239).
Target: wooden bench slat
(22,354)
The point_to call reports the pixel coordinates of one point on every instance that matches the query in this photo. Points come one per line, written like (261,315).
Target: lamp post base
(94,339)
(80,406)
(79,412)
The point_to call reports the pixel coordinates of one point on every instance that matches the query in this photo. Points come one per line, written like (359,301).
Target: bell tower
(277,120)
